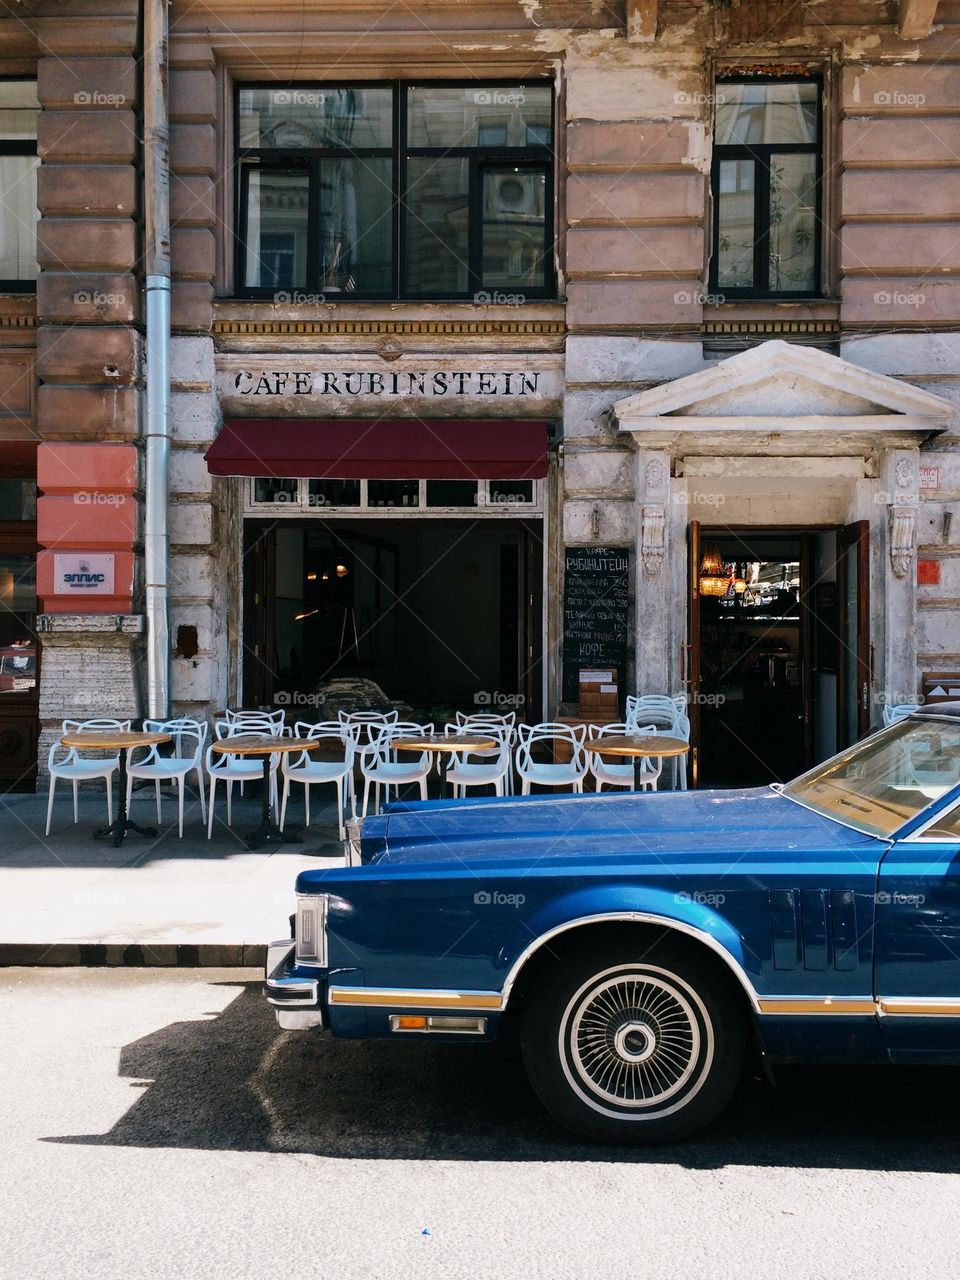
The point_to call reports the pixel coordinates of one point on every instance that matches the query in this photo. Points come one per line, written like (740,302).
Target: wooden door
(531,623)
(259,637)
(855,650)
(19,657)
(690,651)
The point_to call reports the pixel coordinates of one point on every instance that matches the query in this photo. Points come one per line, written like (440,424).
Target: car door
(917,964)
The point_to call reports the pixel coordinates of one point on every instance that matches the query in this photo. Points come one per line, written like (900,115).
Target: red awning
(381,449)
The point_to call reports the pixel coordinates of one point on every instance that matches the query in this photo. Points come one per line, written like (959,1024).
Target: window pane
(18,616)
(514,226)
(511,490)
(393,493)
(18,217)
(496,115)
(19,109)
(275,490)
(735,216)
(276,245)
(451,493)
(793,191)
(766,113)
(18,499)
(356,225)
(334,493)
(295,117)
(437,217)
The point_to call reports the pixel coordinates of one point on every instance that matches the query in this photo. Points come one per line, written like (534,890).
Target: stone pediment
(798,398)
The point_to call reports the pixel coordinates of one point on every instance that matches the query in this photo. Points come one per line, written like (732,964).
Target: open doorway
(442,615)
(780,650)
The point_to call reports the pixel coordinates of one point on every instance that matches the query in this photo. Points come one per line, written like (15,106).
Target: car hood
(708,824)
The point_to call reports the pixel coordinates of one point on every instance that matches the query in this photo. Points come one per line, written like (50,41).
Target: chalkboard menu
(596,596)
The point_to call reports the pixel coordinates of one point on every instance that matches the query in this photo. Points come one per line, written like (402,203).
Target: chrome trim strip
(635,917)
(816,1006)
(920,1006)
(412,998)
(278,955)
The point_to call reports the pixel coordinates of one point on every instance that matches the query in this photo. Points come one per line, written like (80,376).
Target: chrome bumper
(296,1000)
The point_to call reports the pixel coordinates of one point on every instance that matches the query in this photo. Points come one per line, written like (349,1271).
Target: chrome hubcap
(634,1040)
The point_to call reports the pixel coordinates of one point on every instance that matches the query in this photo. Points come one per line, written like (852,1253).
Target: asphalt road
(157,1124)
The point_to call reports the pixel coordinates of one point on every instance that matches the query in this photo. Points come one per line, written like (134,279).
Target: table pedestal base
(118,829)
(269,833)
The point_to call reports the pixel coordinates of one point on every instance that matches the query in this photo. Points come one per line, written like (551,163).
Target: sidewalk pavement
(69,899)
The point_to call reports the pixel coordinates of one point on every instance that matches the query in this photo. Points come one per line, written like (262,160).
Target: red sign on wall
(928,573)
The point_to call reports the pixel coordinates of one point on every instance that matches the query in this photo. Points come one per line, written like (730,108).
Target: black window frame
(761,154)
(18,147)
(534,157)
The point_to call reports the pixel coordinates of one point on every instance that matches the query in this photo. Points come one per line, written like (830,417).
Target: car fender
(630,904)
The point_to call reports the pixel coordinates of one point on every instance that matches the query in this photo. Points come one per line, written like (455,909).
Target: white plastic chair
(305,769)
(75,768)
(485,722)
(547,774)
(381,767)
(668,714)
(622,775)
(232,768)
(891,714)
(188,739)
(366,725)
(494,767)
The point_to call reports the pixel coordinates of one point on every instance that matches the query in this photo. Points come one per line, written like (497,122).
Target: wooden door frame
(854,537)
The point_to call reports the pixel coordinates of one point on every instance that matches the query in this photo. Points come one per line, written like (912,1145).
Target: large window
(19,109)
(766,188)
(380,191)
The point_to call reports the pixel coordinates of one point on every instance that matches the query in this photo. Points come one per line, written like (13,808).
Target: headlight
(311,936)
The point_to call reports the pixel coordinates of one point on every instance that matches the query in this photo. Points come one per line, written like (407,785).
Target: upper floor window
(380,191)
(766,188)
(19,110)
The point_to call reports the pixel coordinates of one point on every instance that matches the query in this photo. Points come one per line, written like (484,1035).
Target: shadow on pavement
(236,1082)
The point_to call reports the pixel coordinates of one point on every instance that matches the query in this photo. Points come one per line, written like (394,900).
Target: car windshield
(884,782)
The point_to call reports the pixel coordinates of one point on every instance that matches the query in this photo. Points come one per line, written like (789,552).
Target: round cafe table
(659,746)
(262,744)
(444,748)
(121,740)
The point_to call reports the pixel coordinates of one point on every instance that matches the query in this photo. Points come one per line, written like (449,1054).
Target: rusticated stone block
(97,413)
(192,305)
(92,298)
(87,189)
(193,94)
(193,253)
(94,83)
(88,354)
(87,136)
(192,200)
(106,243)
(193,149)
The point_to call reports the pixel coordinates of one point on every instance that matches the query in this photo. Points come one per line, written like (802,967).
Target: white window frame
(484,509)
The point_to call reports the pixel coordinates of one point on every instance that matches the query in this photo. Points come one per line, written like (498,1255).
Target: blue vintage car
(648,945)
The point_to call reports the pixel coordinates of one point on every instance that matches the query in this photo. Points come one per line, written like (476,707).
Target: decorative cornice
(397,328)
(18,322)
(830,328)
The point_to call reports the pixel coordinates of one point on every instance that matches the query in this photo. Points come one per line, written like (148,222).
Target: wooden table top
(113,739)
(261,744)
(456,742)
(644,744)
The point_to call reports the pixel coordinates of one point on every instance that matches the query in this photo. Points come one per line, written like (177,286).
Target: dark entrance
(779,654)
(444,615)
(19,647)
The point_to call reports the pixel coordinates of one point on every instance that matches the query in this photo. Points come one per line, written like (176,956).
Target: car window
(946,827)
(884,782)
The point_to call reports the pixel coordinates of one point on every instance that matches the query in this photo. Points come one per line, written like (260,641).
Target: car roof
(948,710)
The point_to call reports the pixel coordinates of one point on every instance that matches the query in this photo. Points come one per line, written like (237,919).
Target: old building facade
(487,318)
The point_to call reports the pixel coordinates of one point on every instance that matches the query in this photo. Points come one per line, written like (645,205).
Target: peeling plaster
(698,147)
(530,8)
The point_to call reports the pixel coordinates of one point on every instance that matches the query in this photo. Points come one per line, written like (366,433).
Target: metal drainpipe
(157,269)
